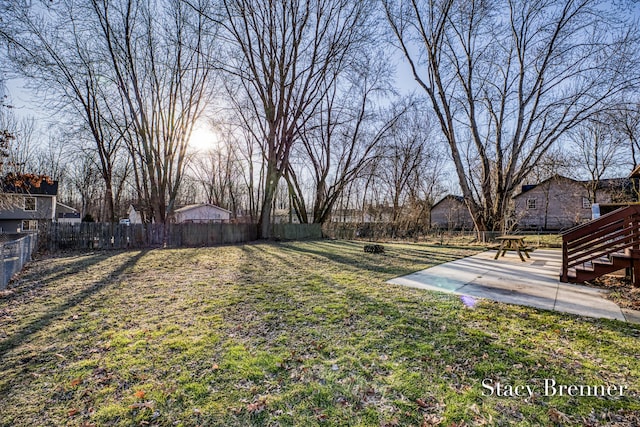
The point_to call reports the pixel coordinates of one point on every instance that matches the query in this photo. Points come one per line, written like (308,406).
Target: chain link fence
(14,254)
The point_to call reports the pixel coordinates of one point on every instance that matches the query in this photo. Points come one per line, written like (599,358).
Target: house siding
(558,205)
(12,217)
(134,216)
(451,213)
(202,214)
(67,214)
(45,209)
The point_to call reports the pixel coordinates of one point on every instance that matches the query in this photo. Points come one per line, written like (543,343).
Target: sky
(27,103)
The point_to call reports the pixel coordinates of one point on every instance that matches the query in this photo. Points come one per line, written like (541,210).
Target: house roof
(137,207)
(199,205)
(449,197)
(65,207)
(45,189)
(603,184)
(528,187)
(613,183)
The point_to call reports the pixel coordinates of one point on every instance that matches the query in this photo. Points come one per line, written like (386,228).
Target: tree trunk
(110,208)
(271,184)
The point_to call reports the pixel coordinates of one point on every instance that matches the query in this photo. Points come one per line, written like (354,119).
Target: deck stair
(602,246)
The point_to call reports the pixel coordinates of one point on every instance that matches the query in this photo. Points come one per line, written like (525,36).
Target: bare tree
(160,59)
(626,122)
(507,79)
(56,49)
(597,150)
(283,53)
(7,128)
(411,165)
(626,119)
(7,137)
(17,143)
(342,139)
(132,70)
(218,174)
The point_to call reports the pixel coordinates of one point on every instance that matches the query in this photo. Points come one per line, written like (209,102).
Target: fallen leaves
(421,403)
(431,420)
(142,405)
(557,416)
(432,410)
(139,394)
(394,422)
(257,406)
(5,293)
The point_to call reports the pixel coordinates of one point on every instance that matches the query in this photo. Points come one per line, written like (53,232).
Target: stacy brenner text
(550,387)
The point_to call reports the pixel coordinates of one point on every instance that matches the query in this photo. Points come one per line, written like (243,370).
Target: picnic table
(513,243)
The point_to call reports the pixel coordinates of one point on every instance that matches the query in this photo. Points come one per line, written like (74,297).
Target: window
(586,203)
(531,203)
(29,225)
(29,203)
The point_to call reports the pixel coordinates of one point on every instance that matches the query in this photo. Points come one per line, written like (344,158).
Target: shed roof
(449,197)
(200,205)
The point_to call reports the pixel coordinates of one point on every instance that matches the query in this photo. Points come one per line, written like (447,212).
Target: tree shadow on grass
(417,335)
(429,336)
(30,279)
(353,256)
(54,313)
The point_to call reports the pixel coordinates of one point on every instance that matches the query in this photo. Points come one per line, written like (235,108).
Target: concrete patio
(533,283)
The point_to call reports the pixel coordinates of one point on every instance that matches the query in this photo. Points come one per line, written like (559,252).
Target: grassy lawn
(291,334)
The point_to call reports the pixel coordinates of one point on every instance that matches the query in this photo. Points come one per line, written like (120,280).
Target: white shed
(135,215)
(201,213)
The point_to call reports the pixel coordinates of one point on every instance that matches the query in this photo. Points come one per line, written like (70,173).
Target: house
(353,215)
(67,214)
(284,216)
(137,214)
(559,202)
(379,213)
(28,202)
(451,213)
(201,213)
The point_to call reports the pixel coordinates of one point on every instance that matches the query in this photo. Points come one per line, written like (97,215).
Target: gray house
(451,213)
(559,202)
(27,207)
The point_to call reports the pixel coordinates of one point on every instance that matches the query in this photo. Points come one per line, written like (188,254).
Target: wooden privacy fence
(14,254)
(122,236)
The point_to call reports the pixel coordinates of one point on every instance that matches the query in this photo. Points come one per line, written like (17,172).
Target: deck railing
(611,233)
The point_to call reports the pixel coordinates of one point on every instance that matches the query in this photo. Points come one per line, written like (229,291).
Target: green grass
(290,334)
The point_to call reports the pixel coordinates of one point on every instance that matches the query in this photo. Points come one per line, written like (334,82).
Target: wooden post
(564,276)
(636,271)
(635,250)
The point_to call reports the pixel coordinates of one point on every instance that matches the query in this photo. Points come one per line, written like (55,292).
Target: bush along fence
(122,236)
(14,254)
